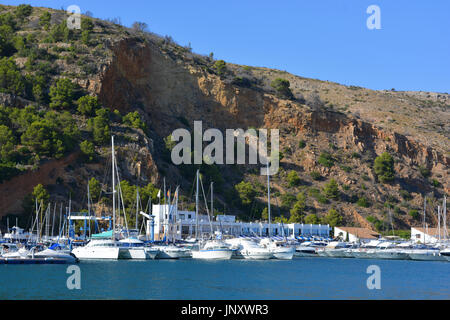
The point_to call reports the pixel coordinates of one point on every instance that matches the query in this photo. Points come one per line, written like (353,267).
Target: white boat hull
(85,253)
(217,254)
(283,253)
(258,255)
(133,253)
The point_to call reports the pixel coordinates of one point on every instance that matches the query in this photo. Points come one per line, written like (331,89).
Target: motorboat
(334,249)
(389,250)
(308,248)
(172,251)
(278,249)
(100,249)
(133,248)
(213,249)
(249,249)
(54,253)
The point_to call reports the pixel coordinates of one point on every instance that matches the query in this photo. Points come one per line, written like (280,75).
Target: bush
(220,67)
(246,193)
(333,218)
(312,219)
(87,105)
(23,10)
(99,126)
(133,119)
(11,80)
(326,160)
(302,144)
(282,88)
(363,202)
(44,20)
(88,150)
(435,183)
(414,214)
(331,190)
(315,175)
(62,94)
(293,179)
(384,167)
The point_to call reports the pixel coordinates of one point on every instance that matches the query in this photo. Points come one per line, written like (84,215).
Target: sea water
(300,278)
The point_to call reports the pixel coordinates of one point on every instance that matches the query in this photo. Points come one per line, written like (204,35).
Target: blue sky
(323,39)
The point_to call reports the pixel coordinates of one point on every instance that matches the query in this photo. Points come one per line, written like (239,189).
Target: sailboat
(213,249)
(277,248)
(103,245)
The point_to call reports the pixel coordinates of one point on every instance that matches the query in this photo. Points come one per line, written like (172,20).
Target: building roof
(434,232)
(362,233)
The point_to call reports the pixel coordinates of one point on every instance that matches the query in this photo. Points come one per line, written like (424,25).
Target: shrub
(293,179)
(88,150)
(11,80)
(87,105)
(282,88)
(315,175)
(302,144)
(384,167)
(414,214)
(44,20)
(246,193)
(62,94)
(133,119)
(220,67)
(326,160)
(100,126)
(333,218)
(312,219)
(331,190)
(23,10)
(363,202)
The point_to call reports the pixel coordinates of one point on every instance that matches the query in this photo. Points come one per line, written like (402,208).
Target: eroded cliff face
(164,89)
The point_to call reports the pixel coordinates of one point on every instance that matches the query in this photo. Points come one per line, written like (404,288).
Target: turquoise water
(302,278)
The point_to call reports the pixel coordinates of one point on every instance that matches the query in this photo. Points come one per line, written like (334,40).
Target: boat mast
(114,187)
(439,222)
(268,197)
(444,210)
(424,213)
(196,209)
(137,207)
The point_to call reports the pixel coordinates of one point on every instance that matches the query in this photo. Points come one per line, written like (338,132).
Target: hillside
(64,92)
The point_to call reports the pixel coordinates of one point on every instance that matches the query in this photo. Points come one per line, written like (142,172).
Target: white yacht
(278,249)
(213,249)
(133,248)
(389,250)
(248,249)
(308,248)
(54,254)
(99,249)
(172,251)
(334,249)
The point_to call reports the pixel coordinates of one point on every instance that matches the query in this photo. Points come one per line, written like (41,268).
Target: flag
(159,193)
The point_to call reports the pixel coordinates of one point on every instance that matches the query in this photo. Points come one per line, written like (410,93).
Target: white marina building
(176,224)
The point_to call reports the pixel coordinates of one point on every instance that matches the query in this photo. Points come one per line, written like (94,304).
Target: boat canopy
(104,234)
